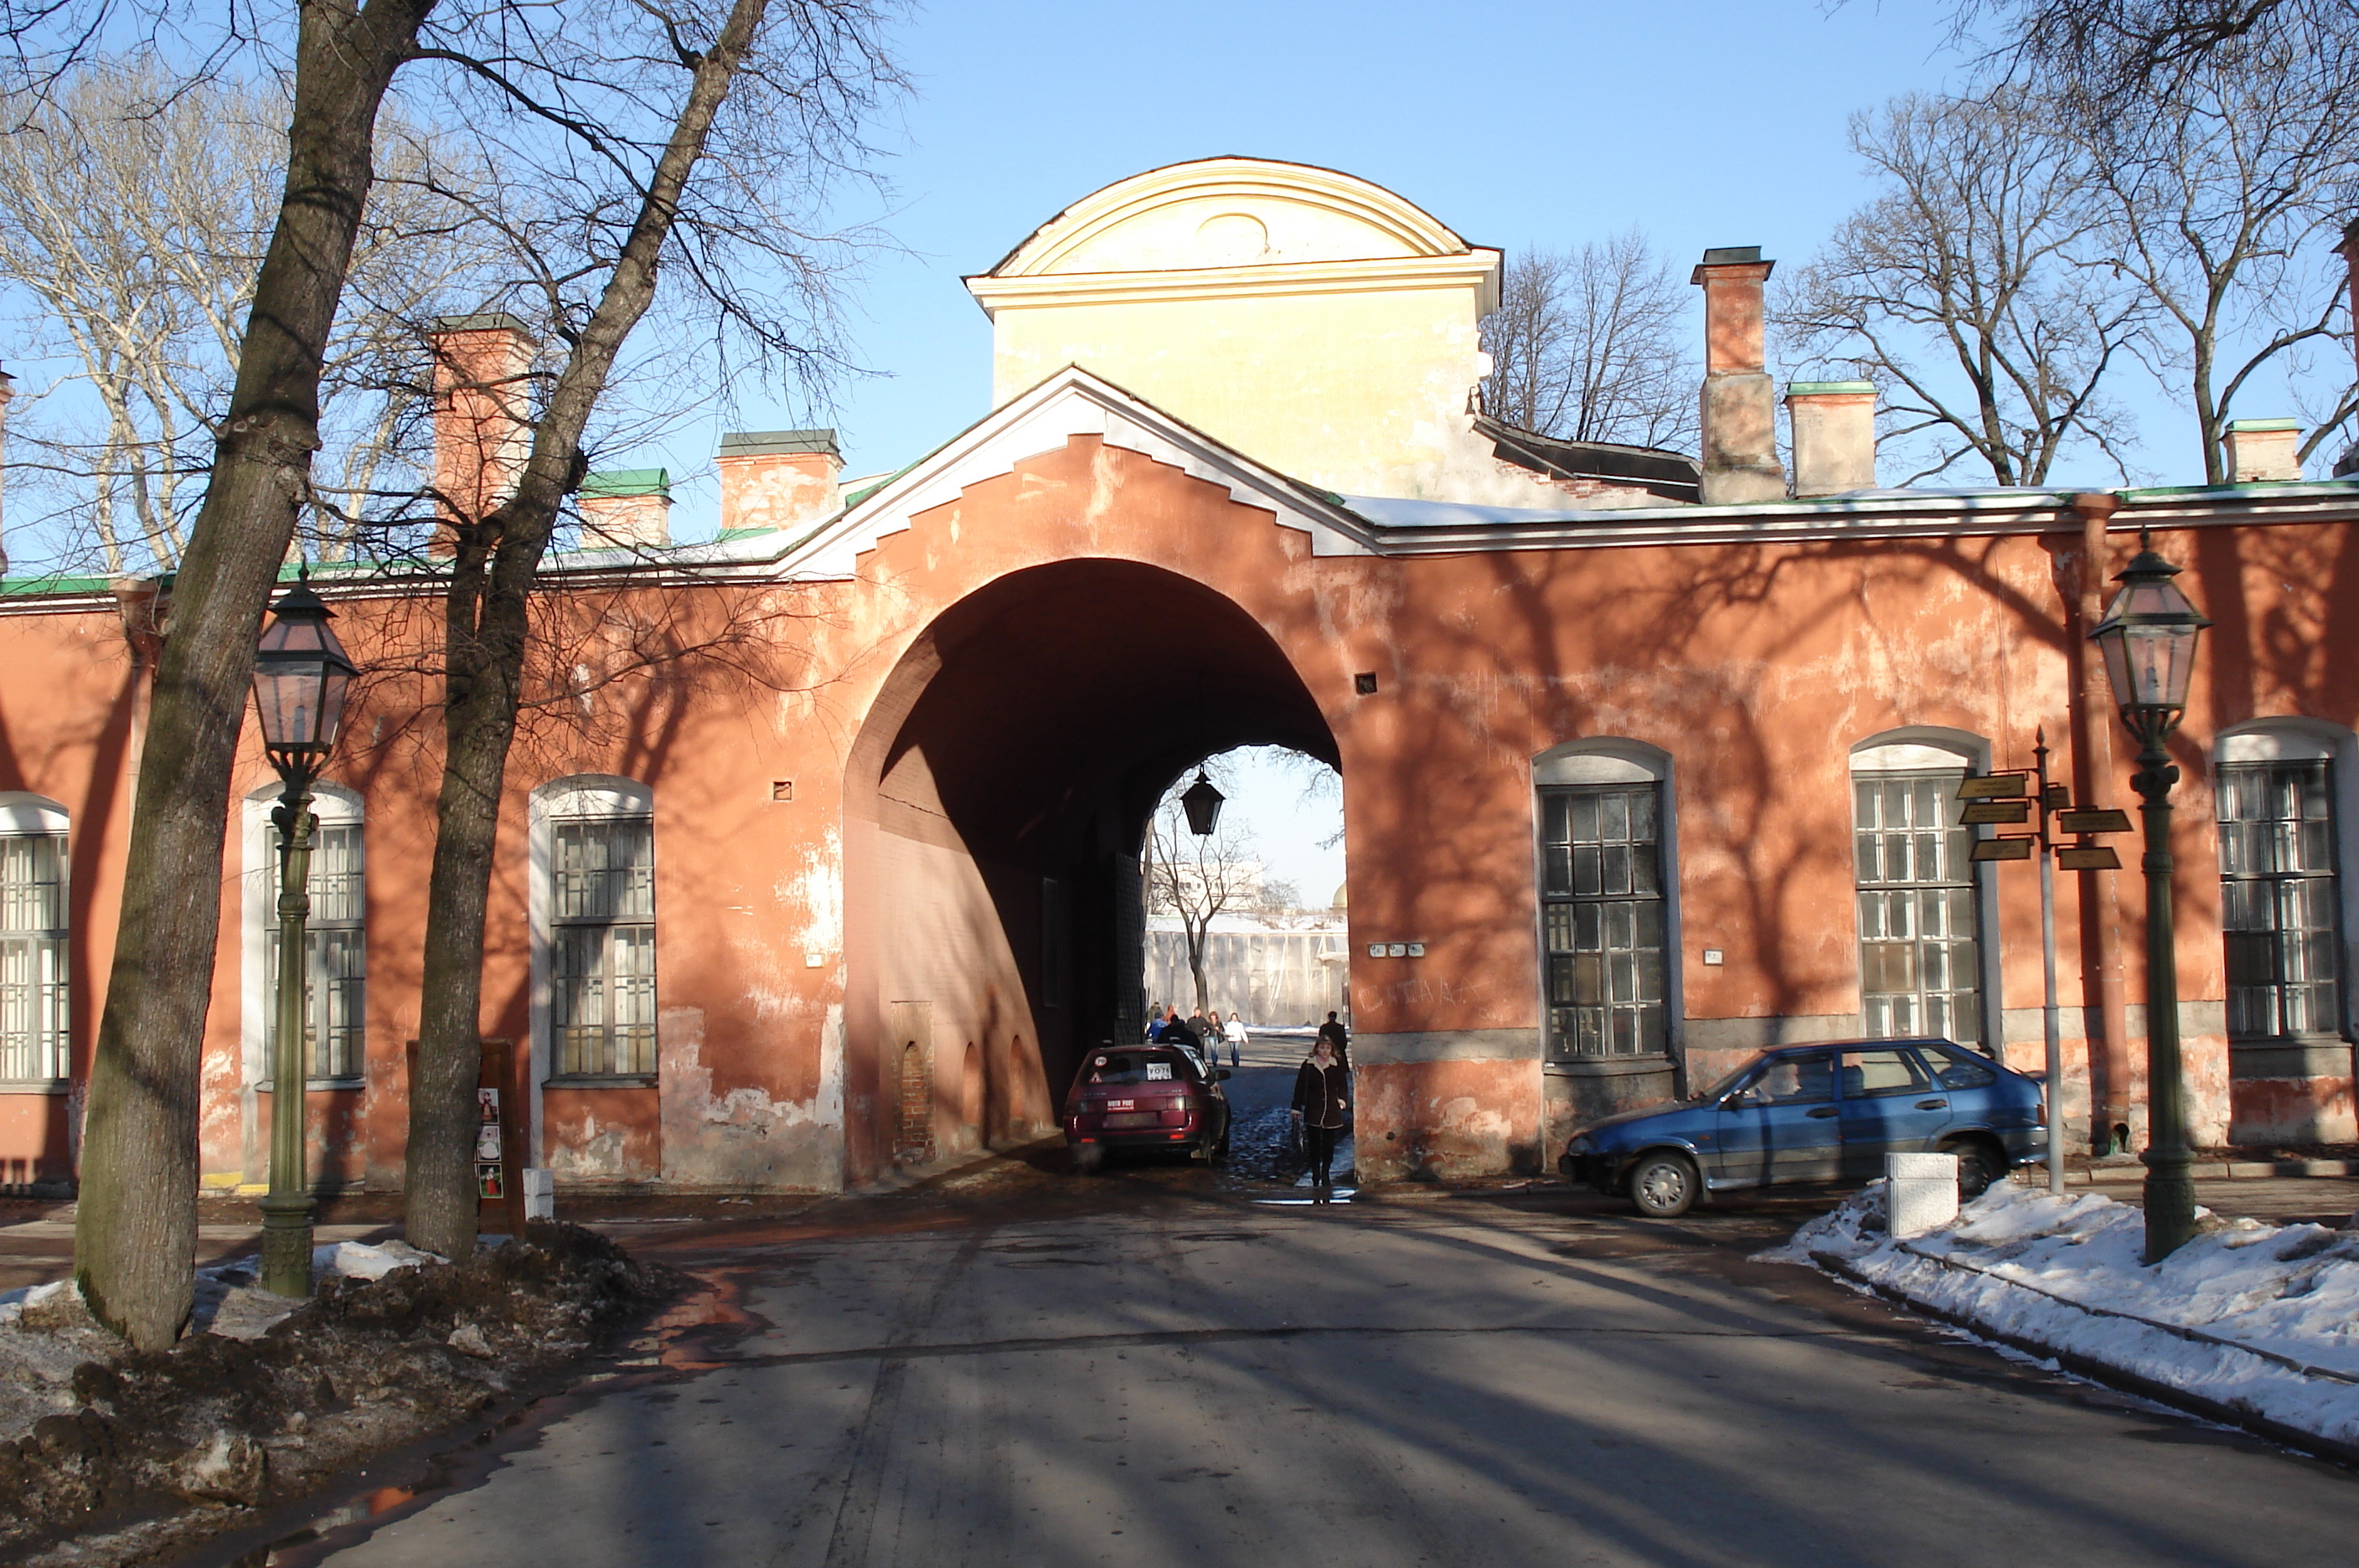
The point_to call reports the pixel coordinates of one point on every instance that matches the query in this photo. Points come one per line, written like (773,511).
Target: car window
(1796,1081)
(1958,1067)
(1149,1066)
(1866,1074)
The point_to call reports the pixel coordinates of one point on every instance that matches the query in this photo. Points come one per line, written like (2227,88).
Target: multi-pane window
(1919,952)
(602,945)
(335,981)
(2279,898)
(32,957)
(1602,919)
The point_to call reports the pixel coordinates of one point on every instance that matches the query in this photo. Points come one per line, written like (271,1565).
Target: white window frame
(1608,760)
(1923,748)
(587,795)
(2292,738)
(27,815)
(335,806)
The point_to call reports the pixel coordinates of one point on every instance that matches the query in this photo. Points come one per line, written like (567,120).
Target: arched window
(2279,793)
(1921,907)
(596,852)
(1605,899)
(33,934)
(335,938)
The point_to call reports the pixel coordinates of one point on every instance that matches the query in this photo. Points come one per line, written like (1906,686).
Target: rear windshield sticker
(1155,1069)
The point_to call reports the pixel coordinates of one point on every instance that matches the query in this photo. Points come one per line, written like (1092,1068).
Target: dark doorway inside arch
(996,802)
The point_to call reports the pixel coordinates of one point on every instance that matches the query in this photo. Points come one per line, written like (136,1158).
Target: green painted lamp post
(300,675)
(2149,639)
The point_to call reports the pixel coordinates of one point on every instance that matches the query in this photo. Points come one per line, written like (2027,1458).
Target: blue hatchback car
(1817,1113)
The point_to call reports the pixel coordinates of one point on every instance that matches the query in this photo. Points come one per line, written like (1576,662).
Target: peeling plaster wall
(1757,667)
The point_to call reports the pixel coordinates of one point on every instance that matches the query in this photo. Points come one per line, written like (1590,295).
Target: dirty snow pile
(268,1394)
(2259,1318)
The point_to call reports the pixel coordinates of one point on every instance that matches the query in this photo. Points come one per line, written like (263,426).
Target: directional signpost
(2006,800)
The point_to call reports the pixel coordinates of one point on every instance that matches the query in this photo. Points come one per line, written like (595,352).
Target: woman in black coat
(1322,1104)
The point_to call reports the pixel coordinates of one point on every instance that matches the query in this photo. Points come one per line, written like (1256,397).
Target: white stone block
(1922,1191)
(540,1192)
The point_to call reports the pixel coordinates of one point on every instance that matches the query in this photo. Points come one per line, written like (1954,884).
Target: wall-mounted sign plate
(2093,820)
(2088,857)
(2003,849)
(1977,811)
(1376,950)
(1417,950)
(1396,949)
(1995,787)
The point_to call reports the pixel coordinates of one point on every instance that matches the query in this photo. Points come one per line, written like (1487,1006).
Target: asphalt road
(1178,1367)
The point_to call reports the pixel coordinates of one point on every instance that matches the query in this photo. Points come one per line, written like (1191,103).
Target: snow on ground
(2065,1273)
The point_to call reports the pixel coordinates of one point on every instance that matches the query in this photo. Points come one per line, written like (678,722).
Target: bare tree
(133,212)
(1196,878)
(135,1225)
(1974,291)
(1590,344)
(2114,49)
(2223,190)
(776,94)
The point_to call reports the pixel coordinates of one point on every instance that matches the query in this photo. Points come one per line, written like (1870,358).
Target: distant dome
(1341,902)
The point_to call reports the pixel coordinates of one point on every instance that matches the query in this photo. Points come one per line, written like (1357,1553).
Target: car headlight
(1581,1145)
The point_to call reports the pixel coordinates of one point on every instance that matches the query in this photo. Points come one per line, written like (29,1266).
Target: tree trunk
(486,630)
(135,1235)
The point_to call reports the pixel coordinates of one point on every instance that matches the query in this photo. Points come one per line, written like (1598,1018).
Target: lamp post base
(287,1243)
(2170,1201)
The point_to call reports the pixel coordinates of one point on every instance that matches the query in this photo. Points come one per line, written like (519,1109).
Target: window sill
(312,1084)
(599,1081)
(36,1086)
(1607,1066)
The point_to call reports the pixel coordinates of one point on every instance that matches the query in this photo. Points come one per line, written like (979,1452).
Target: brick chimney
(777,479)
(2263,449)
(482,412)
(1740,402)
(1834,436)
(626,508)
(2349,250)
(7,391)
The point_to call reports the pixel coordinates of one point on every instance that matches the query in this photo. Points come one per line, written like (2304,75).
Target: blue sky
(1704,123)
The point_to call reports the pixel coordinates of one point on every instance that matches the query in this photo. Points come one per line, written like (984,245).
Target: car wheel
(1089,1158)
(1977,1167)
(1664,1185)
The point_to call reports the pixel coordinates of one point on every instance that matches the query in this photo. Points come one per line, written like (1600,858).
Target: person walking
(1339,1037)
(1233,1031)
(1323,1105)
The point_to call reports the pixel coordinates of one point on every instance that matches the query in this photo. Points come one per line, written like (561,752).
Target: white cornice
(1469,269)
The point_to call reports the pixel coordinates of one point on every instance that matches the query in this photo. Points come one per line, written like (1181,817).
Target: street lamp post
(300,675)
(2149,639)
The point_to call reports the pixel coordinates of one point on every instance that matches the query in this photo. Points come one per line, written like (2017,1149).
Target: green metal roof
(629,482)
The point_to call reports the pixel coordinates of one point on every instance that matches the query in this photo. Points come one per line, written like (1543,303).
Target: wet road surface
(1170,1365)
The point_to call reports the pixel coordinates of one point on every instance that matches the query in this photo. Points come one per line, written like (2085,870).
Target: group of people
(1322,1085)
(1199,1034)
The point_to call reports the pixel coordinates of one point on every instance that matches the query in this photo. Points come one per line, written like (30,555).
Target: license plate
(1134,1119)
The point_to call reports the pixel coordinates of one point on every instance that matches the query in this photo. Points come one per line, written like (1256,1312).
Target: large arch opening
(995,802)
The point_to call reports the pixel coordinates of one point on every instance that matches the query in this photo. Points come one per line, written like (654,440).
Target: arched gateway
(1605,719)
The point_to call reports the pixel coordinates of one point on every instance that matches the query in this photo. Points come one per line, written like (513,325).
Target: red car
(1145,1096)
